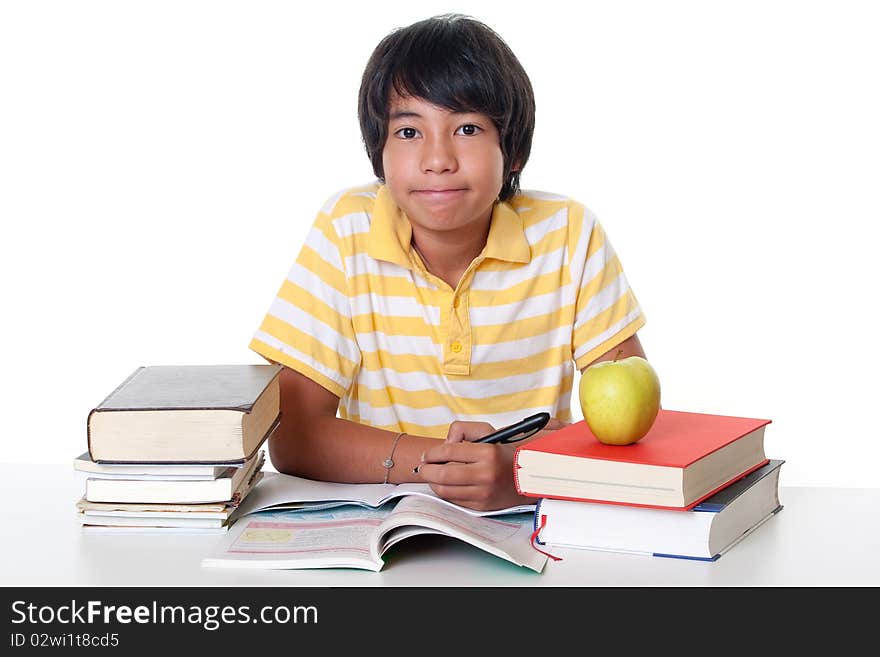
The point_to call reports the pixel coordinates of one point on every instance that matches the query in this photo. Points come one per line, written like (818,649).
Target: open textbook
(299,523)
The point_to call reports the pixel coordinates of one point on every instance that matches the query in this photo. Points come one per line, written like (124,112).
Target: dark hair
(457,63)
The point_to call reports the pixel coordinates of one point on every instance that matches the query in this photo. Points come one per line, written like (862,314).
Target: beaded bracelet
(389,462)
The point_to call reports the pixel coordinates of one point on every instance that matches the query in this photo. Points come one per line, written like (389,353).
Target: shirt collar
(391,233)
(507,237)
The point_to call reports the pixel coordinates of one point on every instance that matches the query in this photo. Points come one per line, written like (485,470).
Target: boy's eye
(469,129)
(407,133)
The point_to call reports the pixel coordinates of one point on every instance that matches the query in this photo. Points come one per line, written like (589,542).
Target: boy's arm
(629,347)
(316,444)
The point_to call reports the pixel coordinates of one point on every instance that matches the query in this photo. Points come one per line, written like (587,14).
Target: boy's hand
(476,475)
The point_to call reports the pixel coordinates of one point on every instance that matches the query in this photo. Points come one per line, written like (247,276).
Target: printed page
(287,491)
(424,490)
(277,489)
(340,537)
(507,537)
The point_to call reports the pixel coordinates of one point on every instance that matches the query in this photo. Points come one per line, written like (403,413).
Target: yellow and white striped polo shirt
(360,314)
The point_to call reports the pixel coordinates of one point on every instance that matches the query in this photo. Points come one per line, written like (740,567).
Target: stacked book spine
(146,497)
(176,448)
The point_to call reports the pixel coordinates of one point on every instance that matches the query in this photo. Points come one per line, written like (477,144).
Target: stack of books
(693,487)
(177,448)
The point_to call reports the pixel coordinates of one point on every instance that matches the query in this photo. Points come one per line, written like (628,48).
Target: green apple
(620,399)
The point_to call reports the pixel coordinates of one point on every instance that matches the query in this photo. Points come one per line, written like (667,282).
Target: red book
(682,460)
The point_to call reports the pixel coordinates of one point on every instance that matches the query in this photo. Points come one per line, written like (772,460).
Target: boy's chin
(437,221)
(444,216)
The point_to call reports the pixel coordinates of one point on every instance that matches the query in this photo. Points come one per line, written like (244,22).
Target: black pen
(513,433)
(516,432)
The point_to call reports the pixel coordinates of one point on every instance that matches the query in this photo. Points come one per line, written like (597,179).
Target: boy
(440,302)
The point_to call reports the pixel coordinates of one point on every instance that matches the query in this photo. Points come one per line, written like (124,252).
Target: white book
(92,519)
(84,463)
(705,532)
(99,529)
(234,483)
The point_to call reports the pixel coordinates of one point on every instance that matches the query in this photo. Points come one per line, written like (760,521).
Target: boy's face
(444,169)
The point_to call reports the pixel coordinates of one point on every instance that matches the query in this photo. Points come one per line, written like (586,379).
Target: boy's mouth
(439,194)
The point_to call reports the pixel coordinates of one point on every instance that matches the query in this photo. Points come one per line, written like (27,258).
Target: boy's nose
(439,156)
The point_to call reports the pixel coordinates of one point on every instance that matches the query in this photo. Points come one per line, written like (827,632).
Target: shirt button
(456,347)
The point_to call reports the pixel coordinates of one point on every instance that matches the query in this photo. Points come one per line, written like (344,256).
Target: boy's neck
(448,256)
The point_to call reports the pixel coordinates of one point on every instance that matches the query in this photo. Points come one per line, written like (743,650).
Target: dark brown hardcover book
(186,414)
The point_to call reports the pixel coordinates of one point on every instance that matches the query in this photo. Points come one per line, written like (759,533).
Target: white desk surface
(823,537)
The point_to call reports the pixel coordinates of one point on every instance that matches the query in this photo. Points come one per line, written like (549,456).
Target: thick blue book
(704,533)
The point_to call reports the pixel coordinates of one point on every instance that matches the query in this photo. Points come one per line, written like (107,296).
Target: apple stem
(617,355)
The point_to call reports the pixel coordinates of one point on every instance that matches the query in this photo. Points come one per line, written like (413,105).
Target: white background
(160,163)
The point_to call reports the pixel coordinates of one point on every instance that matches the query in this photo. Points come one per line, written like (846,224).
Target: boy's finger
(454,475)
(461,431)
(455,435)
(462,452)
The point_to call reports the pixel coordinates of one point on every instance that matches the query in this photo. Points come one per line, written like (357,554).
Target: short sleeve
(308,327)
(606,310)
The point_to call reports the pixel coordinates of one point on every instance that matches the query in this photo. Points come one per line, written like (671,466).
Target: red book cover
(677,439)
